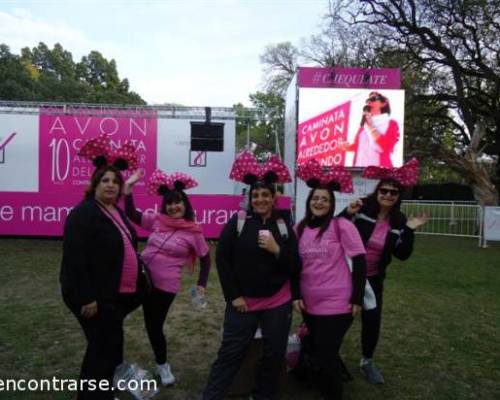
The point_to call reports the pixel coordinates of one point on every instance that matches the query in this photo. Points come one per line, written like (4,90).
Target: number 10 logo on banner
(61,159)
(62,171)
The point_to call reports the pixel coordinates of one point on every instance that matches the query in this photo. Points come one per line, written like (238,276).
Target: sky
(190,52)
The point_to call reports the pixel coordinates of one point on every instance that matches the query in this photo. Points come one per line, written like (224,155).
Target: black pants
(104,334)
(327,333)
(155,307)
(371,319)
(239,329)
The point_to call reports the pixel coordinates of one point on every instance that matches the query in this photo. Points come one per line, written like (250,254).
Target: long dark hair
(96,179)
(309,215)
(260,185)
(177,196)
(371,206)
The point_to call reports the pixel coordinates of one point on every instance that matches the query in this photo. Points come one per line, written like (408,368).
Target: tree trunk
(475,172)
(485,194)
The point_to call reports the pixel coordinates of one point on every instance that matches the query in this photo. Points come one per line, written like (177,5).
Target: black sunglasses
(376,98)
(392,192)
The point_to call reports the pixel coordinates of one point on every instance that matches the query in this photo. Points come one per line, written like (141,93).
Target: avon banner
(42,177)
(34,214)
(61,137)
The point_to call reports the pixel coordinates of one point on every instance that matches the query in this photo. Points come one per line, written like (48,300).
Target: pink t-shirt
(128,280)
(166,258)
(284,295)
(325,280)
(375,246)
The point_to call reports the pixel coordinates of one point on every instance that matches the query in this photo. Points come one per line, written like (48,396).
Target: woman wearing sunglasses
(377,135)
(385,232)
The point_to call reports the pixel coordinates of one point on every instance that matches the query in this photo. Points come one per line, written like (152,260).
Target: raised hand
(132,180)
(415,222)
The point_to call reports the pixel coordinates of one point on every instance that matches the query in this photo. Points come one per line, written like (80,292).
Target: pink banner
(349,78)
(321,136)
(61,137)
(34,214)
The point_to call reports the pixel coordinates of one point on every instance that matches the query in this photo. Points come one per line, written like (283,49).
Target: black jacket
(93,254)
(247,270)
(399,240)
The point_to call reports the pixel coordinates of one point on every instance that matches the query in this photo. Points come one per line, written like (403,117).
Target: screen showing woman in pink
(377,135)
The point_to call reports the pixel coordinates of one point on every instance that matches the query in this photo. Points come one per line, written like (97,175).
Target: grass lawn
(440,336)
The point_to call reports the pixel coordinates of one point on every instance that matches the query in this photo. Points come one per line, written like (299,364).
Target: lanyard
(127,232)
(123,229)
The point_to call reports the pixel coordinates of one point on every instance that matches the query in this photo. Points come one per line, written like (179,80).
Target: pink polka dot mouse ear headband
(318,177)
(99,151)
(407,175)
(161,183)
(247,169)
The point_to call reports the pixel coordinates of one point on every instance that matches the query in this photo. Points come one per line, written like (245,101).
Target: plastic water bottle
(198,300)
(293,351)
(143,381)
(136,380)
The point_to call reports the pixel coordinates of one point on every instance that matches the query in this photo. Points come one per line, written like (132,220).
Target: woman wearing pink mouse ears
(257,265)
(175,240)
(386,232)
(332,291)
(100,278)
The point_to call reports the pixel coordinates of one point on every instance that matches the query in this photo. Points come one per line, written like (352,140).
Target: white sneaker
(165,374)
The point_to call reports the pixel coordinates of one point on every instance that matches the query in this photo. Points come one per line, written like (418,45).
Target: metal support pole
(248,134)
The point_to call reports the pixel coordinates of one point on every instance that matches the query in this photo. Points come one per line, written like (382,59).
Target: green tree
(15,79)
(262,124)
(44,74)
(280,62)
(449,55)
(453,48)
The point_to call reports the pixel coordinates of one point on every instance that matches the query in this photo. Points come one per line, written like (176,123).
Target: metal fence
(447,218)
